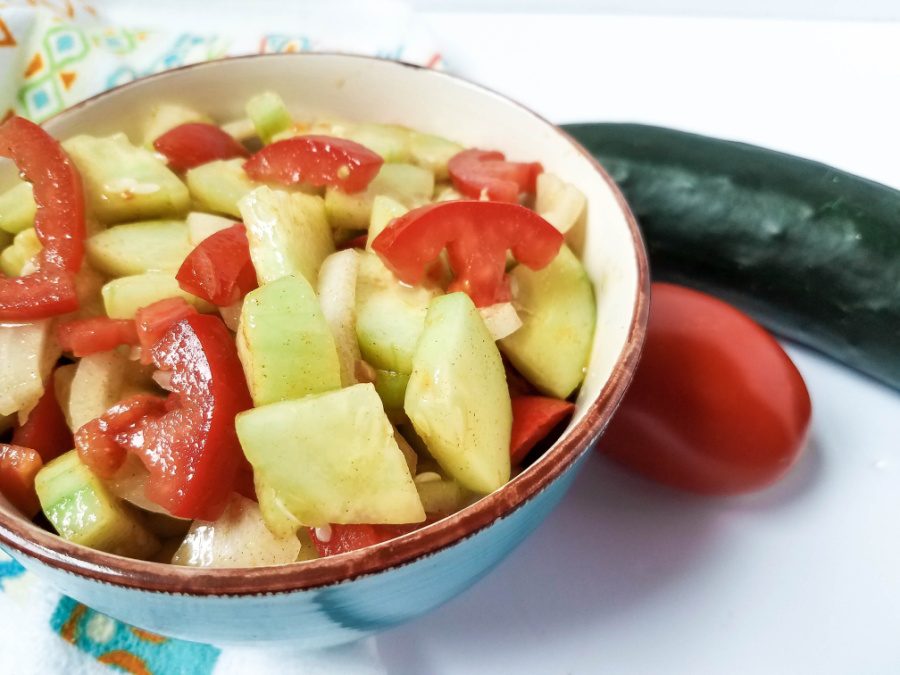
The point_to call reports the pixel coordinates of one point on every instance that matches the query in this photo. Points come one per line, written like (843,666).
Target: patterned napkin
(52,55)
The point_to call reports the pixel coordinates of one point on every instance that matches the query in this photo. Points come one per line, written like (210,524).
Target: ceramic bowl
(341,598)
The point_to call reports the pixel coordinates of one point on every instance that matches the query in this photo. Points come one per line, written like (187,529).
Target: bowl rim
(51,550)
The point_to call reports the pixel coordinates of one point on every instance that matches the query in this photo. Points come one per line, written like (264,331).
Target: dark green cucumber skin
(811,252)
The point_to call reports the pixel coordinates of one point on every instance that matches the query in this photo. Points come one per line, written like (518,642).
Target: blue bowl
(344,597)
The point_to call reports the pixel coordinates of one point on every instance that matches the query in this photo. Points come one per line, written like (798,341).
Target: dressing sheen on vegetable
(320,377)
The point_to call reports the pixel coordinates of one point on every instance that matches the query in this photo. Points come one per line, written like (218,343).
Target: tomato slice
(716,406)
(486,172)
(476,235)
(316,160)
(219,269)
(346,538)
(533,418)
(195,143)
(18,467)
(46,429)
(82,337)
(59,224)
(188,443)
(154,320)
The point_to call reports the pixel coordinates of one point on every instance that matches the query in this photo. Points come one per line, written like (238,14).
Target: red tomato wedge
(18,467)
(190,447)
(477,172)
(46,430)
(154,320)
(346,538)
(716,406)
(477,236)
(219,269)
(533,418)
(82,337)
(59,224)
(195,143)
(315,160)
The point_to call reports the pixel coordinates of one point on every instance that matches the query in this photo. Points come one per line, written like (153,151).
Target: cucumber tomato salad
(272,340)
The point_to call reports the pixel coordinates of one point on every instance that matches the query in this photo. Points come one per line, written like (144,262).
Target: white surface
(628,578)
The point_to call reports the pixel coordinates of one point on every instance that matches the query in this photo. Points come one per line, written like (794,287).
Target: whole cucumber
(810,251)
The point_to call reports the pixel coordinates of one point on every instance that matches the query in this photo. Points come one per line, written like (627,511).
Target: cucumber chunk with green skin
(218,186)
(285,344)
(83,511)
(408,184)
(432,153)
(391,387)
(17,208)
(558,312)
(268,114)
(457,398)
(165,117)
(25,246)
(124,296)
(345,465)
(442,497)
(135,248)
(391,141)
(288,234)
(389,316)
(124,182)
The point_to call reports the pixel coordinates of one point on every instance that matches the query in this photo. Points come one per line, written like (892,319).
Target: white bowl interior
(328,86)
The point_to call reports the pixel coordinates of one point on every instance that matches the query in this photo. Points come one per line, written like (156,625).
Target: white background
(625,577)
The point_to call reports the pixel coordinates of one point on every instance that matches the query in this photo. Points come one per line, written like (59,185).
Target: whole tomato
(716,405)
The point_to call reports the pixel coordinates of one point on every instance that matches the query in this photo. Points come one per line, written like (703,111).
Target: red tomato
(46,429)
(533,418)
(476,235)
(154,320)
(191,450)
(59,224)
(219,269)
(477,171)
(346,538)
(82,337)
(18,467)
(196,143)
(716,406)
(315,160)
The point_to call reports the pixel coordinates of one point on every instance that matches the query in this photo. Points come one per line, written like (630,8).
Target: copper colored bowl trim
(37,543)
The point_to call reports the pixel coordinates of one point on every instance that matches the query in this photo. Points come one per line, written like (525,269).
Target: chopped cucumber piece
(96,386)
(391,387)
(268,114)
(410,185)
(124,296)
(28,352)
(389,316)
(17,208)
(337,295)
(346,465)
(203,225)
(165,117)
(441,496)
(219,186)
(23,250)
(62,387)
(124,182)
(457,398)
(388,140)
(384,210)
(135,248)
(83,511)
(239,538)
(288,234)
(285,344)
(432,153)
(558,314)
(559,203)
